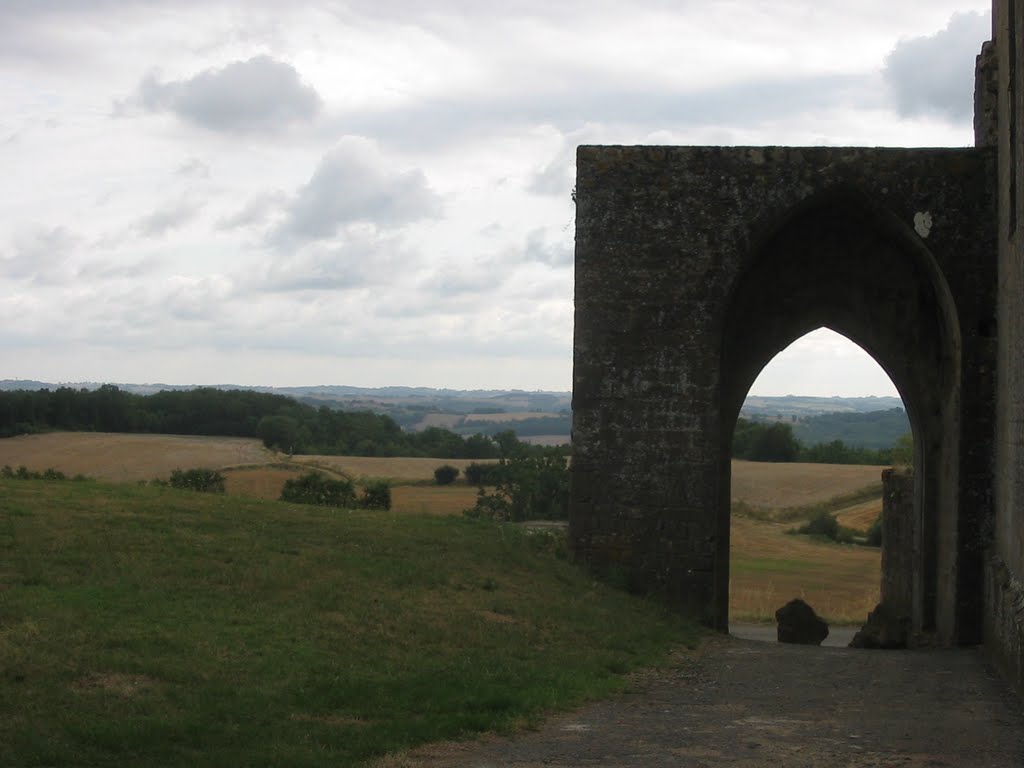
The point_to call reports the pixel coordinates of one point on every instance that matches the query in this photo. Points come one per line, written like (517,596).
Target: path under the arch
(751,704)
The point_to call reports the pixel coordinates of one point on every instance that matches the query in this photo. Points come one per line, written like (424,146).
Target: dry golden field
(775,486)
(263,482)
(128,458)
(395,469)
(433,499)
(859,517)
(769,567)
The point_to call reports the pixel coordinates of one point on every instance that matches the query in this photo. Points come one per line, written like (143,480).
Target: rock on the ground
(885,628)
(798,623)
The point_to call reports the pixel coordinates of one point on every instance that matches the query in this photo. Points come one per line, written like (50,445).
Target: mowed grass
(148,626)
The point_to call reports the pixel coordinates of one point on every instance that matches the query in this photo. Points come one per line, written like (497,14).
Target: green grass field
(147,626)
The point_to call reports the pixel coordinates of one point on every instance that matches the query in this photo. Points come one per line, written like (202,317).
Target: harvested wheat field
(774,486)
(264,482)
(769,567)
(433,499)
(395,469)
(127,457)
(859,517)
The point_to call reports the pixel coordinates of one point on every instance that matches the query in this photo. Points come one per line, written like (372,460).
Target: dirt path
(751,704)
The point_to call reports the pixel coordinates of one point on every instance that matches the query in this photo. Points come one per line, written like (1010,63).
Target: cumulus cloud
(934,74)
(361,259)
(257,95)
(256,211)
(539,249)
(168,218)
(354,184)
(40,255)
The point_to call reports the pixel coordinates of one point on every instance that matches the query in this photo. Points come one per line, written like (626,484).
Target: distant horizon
(235,385)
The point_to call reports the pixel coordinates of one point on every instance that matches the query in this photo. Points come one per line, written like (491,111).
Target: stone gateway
(696,265)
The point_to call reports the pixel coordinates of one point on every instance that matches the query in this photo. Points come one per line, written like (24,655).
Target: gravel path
(753,704)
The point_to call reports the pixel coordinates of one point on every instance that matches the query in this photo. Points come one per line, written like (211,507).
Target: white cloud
(934,74)
(260,94)
(377,191)
(353,183)
(168,218)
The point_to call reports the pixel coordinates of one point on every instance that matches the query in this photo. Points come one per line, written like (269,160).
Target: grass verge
(150,626)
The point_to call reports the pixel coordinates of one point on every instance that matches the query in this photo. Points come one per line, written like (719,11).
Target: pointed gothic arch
(696,265)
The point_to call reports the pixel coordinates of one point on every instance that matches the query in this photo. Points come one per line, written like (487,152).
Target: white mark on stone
(923,223)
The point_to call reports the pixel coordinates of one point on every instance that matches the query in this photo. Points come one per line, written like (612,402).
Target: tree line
(775,441)
(281,422)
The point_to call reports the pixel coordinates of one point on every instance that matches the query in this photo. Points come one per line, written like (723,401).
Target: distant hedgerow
(24,473)
(198,479)
(319,490)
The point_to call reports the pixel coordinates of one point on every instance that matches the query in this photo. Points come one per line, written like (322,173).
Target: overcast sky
(377,192)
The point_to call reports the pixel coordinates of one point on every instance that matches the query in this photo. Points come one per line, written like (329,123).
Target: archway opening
(818,426)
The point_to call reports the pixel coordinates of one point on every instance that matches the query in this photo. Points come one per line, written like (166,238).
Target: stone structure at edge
(696,265)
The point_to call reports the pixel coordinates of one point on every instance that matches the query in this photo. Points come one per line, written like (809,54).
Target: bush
(199,479)
(445,474)
(528,487)
(482,474)
(24,473)
(319,490)
(822,524)
(376,495)
(874,537)
(826,526)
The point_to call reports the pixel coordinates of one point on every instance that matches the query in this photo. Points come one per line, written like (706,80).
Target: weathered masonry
(696,265)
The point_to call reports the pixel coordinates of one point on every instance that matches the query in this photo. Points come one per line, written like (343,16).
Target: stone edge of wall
(1004,621)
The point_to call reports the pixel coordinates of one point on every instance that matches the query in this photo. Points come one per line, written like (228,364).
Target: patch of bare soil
(765,705)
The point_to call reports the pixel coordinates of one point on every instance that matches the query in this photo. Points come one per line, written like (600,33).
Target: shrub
(198,479)
(24,473)
(482,474)
(445,474)
(874,536)
(529,487)
(319,490)
(822,524)
(376,495)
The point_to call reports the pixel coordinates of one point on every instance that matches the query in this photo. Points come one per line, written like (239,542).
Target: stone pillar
(899,534)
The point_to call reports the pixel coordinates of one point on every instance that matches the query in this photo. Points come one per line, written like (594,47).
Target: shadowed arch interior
(841,263)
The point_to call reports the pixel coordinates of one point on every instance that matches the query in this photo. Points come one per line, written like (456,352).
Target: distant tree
(445,474)
(280,433)
(529,486)
(903,452)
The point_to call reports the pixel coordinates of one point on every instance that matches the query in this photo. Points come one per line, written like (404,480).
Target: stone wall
(696,265)
(900,541)
(1004,620)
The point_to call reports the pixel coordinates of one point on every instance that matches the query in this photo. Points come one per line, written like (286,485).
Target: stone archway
(839,262)
(695,265)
